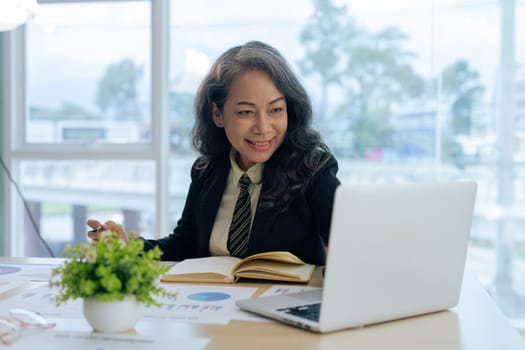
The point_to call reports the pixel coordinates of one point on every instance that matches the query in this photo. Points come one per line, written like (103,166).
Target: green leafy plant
(110,269)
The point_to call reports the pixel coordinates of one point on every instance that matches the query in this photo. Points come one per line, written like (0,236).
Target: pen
(96,229)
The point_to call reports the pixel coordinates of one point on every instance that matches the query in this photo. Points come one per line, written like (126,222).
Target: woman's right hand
(98,228)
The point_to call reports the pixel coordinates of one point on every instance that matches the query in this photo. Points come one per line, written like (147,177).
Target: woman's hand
(98,228)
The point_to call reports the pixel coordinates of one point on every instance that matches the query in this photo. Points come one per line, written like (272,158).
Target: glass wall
(82,148)
(63,194)
(3,196)
(400,95)
(88,73)
(402,91)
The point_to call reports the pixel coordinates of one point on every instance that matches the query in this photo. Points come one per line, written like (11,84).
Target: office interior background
(96,110)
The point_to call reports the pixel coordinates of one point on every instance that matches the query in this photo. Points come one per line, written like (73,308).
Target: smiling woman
(253,132)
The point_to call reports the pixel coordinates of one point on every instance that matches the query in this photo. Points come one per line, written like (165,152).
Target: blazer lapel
(213,189)
(263,220)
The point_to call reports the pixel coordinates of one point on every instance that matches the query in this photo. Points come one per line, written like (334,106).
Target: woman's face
(254,118)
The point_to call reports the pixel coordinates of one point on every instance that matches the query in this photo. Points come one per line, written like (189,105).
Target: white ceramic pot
(112,316)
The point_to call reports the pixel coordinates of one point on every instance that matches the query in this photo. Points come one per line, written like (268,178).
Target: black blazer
(303,229)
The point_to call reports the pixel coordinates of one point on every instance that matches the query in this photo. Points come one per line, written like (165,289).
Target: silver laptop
(395,251)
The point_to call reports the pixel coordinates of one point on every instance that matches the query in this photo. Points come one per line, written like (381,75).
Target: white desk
(475,324)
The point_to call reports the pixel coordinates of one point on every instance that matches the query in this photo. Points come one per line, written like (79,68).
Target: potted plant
(113,278)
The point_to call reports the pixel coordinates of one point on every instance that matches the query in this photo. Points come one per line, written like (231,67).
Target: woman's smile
(261,145)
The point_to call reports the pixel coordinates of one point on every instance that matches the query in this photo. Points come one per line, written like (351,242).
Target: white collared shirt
(219,234)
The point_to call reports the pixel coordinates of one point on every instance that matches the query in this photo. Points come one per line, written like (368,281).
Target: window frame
(16,149)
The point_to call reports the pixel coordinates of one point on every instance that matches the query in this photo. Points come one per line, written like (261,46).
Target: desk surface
(474,324)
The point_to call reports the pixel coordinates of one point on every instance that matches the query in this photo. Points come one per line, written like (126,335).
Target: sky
(70,45)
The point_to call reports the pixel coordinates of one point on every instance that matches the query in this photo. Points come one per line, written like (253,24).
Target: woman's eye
(276,110)
(245,113)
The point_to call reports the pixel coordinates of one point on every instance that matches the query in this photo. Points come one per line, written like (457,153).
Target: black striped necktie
(240,225)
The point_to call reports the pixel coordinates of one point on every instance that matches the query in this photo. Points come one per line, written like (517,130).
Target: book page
(275,270)
(276,256)
(214,264)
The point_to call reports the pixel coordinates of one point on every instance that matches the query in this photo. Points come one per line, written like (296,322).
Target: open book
(277,266)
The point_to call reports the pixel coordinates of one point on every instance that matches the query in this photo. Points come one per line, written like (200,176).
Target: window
(91,139)
(399,95)
(100,87)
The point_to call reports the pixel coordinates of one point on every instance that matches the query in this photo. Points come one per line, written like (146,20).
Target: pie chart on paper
(209,296)
(4,270)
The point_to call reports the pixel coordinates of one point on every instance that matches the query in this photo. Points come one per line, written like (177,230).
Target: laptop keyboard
(310,311)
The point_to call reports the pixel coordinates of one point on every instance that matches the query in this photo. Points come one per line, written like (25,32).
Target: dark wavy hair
(302,152)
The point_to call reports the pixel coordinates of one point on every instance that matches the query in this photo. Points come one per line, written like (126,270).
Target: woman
(253,117)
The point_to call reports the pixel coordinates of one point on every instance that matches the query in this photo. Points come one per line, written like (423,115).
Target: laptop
(395,251)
